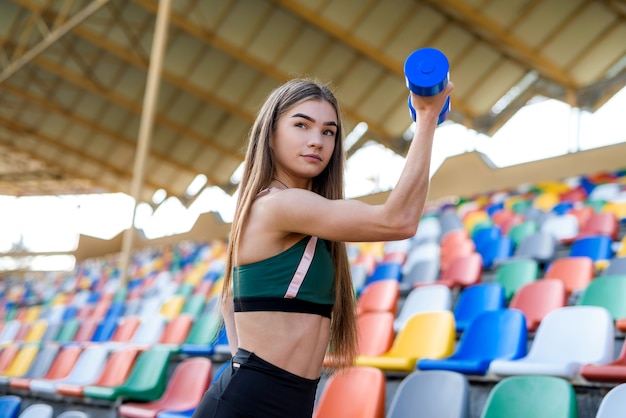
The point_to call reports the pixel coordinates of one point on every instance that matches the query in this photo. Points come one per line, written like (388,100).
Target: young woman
(288,298)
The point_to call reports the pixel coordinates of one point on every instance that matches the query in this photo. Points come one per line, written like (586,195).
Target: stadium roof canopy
(73,76)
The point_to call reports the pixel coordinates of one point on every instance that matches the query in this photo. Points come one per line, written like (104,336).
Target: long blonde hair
(257,175)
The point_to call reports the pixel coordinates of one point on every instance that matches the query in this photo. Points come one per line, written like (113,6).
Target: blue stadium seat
(10,406)
(476,299)
(491,335)
(596,247)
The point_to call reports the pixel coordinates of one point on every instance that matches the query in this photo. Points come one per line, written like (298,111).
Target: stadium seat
(605,191)
(616,266)
(171,308)
(201,337)
(537,299)
(518,232)
(463,271)
(61,366)
(598,248)
(475,219)
(428,230)
(9,331)
(37,410)
(7,356)
(499,334)
(451,249)
(86,330)
(617,208)
(174,414)
(379,296)
(434,393)
(450,222)
(36,331)
(126,329)
(386,270)
(421,266)
(514,274)
(86,369)
(39,368)
(476,299)
(115,372)
(72,414)
(359,392)
(540,246)
(608,292)
(149,331)
(425,335)
(194,305)
(576,272)
(564,228)
(531,396)
(178,394)
(68,330)
(21,363)
(10,406)
(435,297)
(613,404)
(614,372)
(375,335)
(566,339)
(176,330)
(581,213)
(600,223)
(146,381)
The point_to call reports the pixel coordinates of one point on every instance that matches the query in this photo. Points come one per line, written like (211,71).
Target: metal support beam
(50,38)
(145,127)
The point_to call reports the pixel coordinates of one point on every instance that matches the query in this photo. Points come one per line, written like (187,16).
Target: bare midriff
(295,342)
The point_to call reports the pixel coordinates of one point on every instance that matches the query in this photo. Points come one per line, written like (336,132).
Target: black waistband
(282,305)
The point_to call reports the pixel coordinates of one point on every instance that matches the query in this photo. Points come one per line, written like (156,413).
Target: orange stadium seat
(537,299)
(358,392)
(179,395)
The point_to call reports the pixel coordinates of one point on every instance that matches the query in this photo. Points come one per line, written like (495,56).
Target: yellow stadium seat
(36,331)
(194,276)
(216,289)
(546,201)
(617,208)
(474,218)
(172,307)
(59,300)
(22,361)
(556,187)
(425,335)
(32,314)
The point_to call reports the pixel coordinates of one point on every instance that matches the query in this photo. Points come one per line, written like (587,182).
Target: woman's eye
(300,125)
(329,132)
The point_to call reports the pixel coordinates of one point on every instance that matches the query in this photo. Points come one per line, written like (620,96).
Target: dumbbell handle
(427,72)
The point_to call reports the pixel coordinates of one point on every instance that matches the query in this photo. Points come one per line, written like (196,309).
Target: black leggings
(253,388)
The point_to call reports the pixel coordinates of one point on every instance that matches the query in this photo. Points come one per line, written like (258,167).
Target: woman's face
(304,140)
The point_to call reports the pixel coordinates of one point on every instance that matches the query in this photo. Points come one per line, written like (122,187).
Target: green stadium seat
(146,382)
(531,396)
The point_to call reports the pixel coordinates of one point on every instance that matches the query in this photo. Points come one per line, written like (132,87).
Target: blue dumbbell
(427,72)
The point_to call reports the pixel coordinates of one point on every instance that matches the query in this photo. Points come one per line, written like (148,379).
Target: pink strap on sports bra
(303,267)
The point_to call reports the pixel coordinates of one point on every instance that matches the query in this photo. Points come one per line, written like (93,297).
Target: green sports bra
(300,279)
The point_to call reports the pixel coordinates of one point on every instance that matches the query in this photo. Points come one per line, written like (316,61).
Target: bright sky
(543,129)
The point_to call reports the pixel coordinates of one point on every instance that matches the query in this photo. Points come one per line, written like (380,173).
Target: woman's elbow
(404,229)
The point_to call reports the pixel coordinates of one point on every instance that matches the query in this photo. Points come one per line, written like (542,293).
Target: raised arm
(298,210)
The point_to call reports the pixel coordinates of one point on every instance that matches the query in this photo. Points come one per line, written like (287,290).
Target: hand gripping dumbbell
(427,72)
